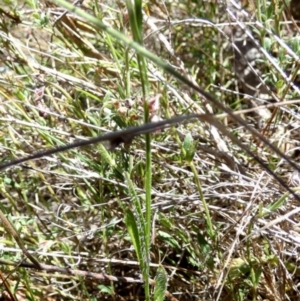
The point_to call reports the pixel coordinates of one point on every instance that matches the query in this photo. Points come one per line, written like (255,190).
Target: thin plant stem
(211,231)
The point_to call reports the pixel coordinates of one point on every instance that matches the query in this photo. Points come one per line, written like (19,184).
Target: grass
(186,213)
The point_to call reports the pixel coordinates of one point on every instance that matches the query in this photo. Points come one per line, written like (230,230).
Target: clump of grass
(188,207)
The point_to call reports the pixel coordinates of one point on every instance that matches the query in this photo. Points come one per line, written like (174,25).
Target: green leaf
(238,268)
(267,43)
(105,289)
(274,206)
(165,221)
(203,243)
(256,275)
(169,239)
(160,284)
(106,156)
(132,228)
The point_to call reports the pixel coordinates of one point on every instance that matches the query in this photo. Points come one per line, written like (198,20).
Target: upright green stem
(136,22)
(211,231)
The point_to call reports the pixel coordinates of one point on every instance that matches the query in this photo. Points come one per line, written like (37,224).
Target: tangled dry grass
(63,79)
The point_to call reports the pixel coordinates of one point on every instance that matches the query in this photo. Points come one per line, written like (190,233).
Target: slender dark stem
(115,138)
